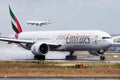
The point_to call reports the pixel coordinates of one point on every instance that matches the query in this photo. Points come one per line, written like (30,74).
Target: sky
(65,15)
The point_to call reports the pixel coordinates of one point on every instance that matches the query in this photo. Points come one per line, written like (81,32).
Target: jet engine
(40,48)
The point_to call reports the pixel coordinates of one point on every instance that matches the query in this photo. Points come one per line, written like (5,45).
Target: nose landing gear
(102,58)
(101,54)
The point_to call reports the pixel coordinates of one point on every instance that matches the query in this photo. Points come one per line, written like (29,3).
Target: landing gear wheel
(71,56)
(40,57)
(102,58)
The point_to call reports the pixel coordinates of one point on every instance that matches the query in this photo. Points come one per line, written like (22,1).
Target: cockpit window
(106,37)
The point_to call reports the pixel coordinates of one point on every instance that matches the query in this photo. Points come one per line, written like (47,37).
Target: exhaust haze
(13,52)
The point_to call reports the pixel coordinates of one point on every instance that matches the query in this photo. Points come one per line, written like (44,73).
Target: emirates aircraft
(96,42)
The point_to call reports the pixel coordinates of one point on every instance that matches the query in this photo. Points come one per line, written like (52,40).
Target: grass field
(58,69)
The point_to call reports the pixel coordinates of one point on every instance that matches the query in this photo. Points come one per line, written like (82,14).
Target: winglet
(17,29)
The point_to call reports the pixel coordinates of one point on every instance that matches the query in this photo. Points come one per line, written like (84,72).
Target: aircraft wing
(11,40)
(53,46)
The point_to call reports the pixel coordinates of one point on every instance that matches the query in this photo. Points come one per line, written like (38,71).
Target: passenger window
(106,37)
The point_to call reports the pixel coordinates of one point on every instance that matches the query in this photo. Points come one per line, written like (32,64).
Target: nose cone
(109,42)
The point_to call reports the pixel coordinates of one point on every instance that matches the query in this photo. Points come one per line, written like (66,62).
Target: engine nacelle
(95,53)
(40,48)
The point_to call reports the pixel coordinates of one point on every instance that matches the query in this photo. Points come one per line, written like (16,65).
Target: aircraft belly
(79,47)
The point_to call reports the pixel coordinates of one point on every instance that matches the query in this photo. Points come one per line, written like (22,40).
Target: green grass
(117,65)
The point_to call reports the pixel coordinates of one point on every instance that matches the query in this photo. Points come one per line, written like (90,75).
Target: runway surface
(110,61)
(63,60)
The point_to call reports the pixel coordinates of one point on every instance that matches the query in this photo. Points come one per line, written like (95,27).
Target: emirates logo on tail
(17,29)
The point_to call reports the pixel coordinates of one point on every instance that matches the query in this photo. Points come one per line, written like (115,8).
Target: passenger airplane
(96,42)
(39,23)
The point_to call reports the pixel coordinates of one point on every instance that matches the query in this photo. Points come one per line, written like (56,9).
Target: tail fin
(17,29)
(14,27)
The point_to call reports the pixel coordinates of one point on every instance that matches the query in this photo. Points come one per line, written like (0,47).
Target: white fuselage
(71,40)
(40,23)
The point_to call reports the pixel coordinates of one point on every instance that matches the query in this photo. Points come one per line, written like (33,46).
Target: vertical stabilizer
(17,29)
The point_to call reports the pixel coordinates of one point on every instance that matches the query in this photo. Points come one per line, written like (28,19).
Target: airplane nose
(110,42)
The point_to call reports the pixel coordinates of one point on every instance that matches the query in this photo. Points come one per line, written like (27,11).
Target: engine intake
(40,48)
(43,48)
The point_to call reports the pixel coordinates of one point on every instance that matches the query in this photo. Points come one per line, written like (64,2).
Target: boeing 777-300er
(96,42)
(39,23)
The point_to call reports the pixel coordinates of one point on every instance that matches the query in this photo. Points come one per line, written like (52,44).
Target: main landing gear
(71,56)
(39,57)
